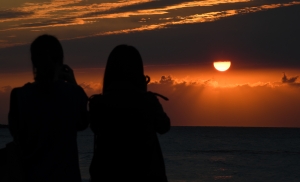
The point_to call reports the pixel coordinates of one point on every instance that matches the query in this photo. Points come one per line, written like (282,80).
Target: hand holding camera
(67,74)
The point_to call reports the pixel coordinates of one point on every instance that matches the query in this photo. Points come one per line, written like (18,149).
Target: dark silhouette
(45,115)
(3,165)
(125,119)
(3,126)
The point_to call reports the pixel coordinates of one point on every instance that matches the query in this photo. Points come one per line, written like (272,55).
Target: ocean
(195,154)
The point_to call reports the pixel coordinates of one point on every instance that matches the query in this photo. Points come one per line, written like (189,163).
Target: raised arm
(157,115)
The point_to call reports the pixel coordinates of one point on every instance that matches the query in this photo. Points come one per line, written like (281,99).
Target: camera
(63,71)
(65,68)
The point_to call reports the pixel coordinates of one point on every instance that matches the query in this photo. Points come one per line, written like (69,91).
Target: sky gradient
(179,41)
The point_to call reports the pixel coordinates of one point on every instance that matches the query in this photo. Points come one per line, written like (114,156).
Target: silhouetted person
(3,165)
(125,118)
(45,115)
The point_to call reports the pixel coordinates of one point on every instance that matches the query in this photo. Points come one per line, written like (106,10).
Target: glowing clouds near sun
(222,65)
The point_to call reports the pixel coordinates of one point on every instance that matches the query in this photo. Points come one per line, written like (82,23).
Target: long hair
(46,55)
(125,64)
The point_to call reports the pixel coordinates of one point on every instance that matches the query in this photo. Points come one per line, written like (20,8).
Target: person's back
(127,145)
(48,139)
(44,118)
(125,120)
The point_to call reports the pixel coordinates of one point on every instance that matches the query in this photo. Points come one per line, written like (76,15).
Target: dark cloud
(141,6)
(267,39)
(264,39)
(285,79)
(166,80)
(292,81)
(49,22)
(4,14)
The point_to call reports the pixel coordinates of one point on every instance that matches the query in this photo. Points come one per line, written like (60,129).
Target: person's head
(47,58)
(125,65)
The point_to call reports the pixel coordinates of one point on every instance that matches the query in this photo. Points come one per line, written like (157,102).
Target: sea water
(216,153)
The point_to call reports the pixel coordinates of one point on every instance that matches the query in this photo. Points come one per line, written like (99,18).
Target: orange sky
(178,41)
(201,96)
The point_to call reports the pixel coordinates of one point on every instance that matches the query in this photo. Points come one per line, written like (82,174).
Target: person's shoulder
(95,101)
(70,86)
(18,89)
(73,90)
(15,90)
(27,85)
(96,96)
(79,90)
(78,87)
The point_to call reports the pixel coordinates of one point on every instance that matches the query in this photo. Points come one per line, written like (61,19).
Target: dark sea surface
(216,153)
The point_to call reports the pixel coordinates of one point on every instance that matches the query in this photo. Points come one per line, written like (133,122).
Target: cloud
(181,20)
(285,79)
(63,9)
(52,23)
(8,14)
(162,10)
(208,104)
(72,13)
(166,80)
(200,42)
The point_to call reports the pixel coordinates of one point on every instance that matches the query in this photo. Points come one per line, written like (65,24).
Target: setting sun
(222,65)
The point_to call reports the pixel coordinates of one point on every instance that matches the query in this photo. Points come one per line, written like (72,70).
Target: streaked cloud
(11,14)
(114,18)
(167,9)
(57,9)
(199,18)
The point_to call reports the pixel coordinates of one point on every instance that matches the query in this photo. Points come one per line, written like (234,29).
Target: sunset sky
(179,40)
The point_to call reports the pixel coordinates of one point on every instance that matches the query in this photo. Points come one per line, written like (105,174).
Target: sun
(222,65)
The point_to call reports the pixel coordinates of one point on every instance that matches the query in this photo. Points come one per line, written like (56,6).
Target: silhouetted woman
(45,115)
(125,119)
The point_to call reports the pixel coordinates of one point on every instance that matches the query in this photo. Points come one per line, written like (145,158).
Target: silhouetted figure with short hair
(45,115)
(125,119)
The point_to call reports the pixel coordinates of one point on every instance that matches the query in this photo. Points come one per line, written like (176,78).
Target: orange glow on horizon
(200,96)
(222,65)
